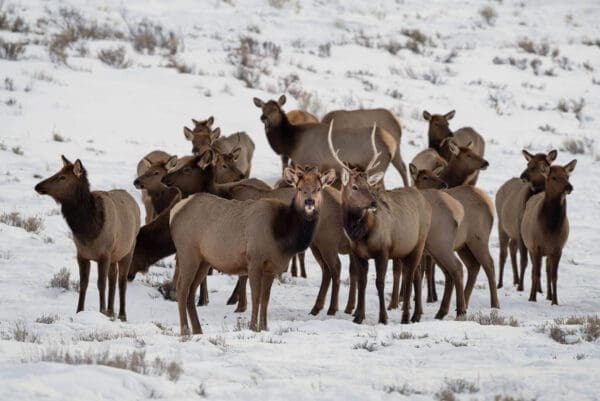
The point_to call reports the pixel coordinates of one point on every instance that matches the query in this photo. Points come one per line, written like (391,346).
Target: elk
(104,226)
(301,117)
(254,238)
(328,243)
(462,164)
(545,227)
(149,182)
(306,144)
(154,157)
(472,239)
(428,159)
(439,130)
(511,199)
(237,147)
(364,118)
(382,225)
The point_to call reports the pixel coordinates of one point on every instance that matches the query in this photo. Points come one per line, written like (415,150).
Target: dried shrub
(493,319)
(541,49)
(12,50)
(29,224)
(489,14)
(9,84)
(116,58)
(47,319)
(21,333)
(12,23)
(179,65)
(148,36)
(325,50)
(61,279)
(591,328)
(572,105)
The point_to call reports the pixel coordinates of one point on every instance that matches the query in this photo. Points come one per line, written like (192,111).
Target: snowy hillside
(109,81)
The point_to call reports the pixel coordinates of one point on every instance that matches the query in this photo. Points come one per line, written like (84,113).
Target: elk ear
(450,115)
(235,153)
(258,103)
(66,162)
(146,163)
(551,156)
(544,170)
(528,156)
(195,122)
(426,115)
(290,176)
(375,178)
(328,178)
(453,148)
(438,170)
(470,145)
(345,177)
(281,100)
(189,135)
(207,158)
(78,169)
(215,134)
(210,121)
(569,167)
(413,171)
(171,162)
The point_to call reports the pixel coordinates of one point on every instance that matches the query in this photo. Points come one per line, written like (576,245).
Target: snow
(113,117)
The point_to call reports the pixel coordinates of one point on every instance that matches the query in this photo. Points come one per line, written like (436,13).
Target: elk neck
(293,229)
(282,138)
(554,210)
(84,213)
(357,223)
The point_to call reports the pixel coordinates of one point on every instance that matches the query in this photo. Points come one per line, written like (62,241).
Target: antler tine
(373,163)
(334,153)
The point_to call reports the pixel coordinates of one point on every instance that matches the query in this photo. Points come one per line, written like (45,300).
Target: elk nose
(524,176)
(166,180)
(39,190)
(485,164)
(309,202)
(444,185)
(136,183)
(569,188)
(195,150)
(373,206)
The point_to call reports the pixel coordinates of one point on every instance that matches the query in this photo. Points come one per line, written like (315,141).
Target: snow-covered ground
(323,55)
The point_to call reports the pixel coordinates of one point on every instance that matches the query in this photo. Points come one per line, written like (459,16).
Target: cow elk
(306,144)
(236,148)
(472,239)
(104,226)
(367,117)
(149,182)
(155,157)
(439,130)
(254,238)
(511,199)
(382,225)
(545,227)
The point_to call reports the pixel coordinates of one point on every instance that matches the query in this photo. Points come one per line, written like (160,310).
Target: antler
(334,153)
(373,163)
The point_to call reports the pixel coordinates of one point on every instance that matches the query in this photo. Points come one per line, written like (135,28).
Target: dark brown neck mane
(554,211)
(84,213)
(283,137)
(293,229)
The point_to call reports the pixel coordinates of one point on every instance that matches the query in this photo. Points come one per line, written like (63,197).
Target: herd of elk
(205,209)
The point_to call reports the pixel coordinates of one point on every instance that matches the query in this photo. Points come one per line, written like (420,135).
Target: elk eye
(354,187)
(61,177)
(318,189)
(187,170)
(224,166)
(156,173)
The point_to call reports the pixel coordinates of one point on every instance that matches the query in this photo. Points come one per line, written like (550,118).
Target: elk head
(67,184)
(536,165)
(438,128)
(425,179)
(152,178)
(557,179)
(272,114)
(308,182)
(189,173)
(464,158)
(358,186)
(226,168)
(203,135)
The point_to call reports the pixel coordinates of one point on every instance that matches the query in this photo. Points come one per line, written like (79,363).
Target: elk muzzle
(372,207)
(40,189)
(138,184)
(309,206)
(485,165)
(569,188)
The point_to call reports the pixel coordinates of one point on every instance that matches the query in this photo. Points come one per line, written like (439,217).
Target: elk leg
(186,270)
(200,276)
(523,252)
(397,269)
(265,293)
(536,262)
(446,297)
(504,241)
(203,298)
(549,278)
(410,262)
(482,255)
(302,265)
(325,280)
(294,269)
(235,295)
(513,246)
(112,286)
(103,265)
(362,266)
(123,272)
(335,284)
(353,281)
(255,278)
(555,261)
(84,277)
(430,275)
(472,266)
(381,262)
(418,284)
(242,300)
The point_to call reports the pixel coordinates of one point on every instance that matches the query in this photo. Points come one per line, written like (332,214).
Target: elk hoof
(405,319)
(440,315)
(315,310)
(231,301)
(532,299)
(122,317)
(415,318)
(500,285)
(332,311)
(348,310)
(393,305)
(383,319)
(358,320)
(519,287)
(184,331)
